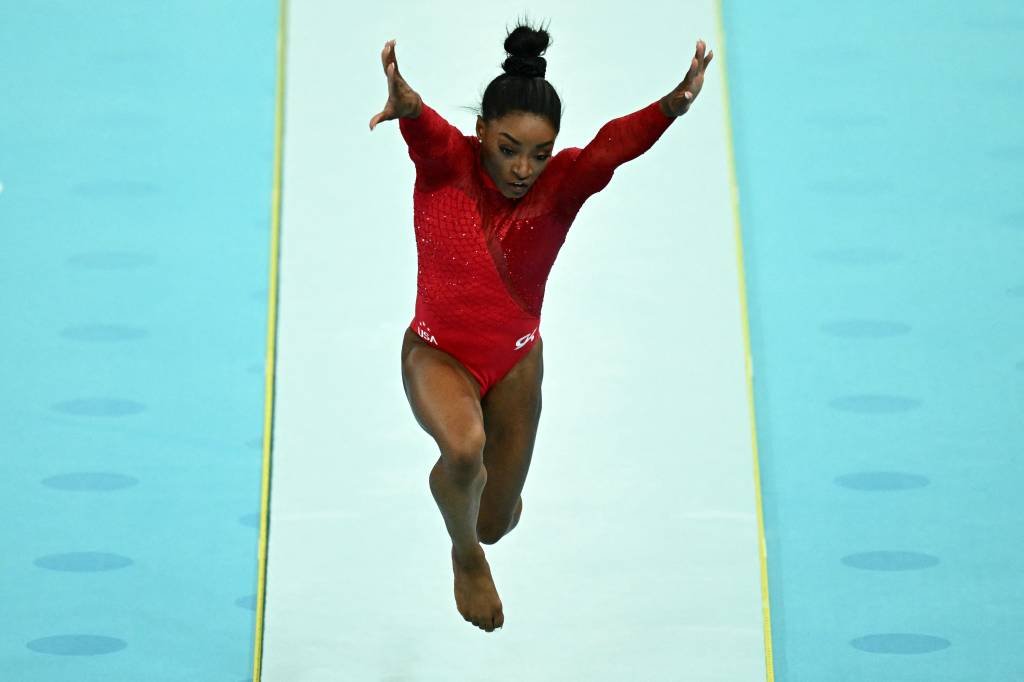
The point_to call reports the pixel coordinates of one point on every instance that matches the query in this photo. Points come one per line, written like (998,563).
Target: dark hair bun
(524,46)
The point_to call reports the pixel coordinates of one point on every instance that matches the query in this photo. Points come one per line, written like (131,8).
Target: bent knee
(463,452)
(490,536)
(489,531)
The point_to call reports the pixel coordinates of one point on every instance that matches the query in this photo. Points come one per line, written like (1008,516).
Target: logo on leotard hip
(423,329)
(526,339)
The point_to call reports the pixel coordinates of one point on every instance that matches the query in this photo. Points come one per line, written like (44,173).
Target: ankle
(468,557)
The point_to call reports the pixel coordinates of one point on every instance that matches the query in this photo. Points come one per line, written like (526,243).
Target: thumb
(387,114)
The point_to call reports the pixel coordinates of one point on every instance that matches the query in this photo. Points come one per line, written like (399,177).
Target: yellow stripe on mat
(268,400)
(734,188)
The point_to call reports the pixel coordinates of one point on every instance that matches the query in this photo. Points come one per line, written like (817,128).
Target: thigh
(444,397)
(511,411)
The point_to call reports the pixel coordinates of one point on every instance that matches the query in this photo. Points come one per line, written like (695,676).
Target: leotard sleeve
(618,141)
(436,147)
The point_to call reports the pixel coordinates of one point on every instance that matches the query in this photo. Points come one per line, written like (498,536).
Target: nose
(521,171)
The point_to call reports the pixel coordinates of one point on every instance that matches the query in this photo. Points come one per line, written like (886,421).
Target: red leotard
(484,258)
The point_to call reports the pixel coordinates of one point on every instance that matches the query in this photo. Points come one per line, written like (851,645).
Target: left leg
(511,414)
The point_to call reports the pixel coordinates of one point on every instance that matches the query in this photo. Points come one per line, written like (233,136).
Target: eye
(543,158)
(506,150)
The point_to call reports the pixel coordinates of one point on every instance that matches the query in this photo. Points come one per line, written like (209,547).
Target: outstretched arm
(434,144)
(625,138)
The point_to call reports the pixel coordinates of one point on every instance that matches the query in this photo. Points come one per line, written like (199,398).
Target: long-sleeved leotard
(484,258)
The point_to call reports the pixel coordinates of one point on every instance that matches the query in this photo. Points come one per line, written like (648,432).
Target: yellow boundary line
(734,190)
(268,400)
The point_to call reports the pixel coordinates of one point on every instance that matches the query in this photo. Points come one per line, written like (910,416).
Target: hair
(523,87)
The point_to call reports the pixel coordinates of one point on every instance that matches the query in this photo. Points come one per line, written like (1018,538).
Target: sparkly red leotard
(484,258)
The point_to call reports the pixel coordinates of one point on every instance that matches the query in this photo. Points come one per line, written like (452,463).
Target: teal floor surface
(136,156)
(879,157)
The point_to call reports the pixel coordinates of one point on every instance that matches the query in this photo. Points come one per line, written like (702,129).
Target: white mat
(637,552)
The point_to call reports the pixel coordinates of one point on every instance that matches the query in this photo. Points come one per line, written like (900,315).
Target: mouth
(518,187)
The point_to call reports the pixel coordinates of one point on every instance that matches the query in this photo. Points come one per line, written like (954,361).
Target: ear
(480,127)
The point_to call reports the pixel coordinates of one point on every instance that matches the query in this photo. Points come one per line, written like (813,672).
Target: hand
(402,100)
(677,102)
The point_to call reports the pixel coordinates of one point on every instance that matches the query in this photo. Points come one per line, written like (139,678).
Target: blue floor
(136,159)
(879,159)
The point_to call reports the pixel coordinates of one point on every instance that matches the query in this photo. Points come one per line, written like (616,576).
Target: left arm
(625,138)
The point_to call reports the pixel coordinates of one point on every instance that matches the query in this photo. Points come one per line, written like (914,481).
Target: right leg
(445,399)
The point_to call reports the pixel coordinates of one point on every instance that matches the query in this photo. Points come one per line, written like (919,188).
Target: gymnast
(490,213)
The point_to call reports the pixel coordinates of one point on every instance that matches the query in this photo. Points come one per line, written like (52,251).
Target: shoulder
(562,160)
(566,155)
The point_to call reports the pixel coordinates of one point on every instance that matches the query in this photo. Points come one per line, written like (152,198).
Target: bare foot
(475,595)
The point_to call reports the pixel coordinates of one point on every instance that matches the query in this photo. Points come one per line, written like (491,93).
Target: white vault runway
(637,556)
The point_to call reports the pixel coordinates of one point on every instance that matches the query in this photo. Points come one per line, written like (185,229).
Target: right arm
(435,145)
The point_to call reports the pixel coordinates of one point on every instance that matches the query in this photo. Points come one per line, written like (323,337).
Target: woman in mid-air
(491,212)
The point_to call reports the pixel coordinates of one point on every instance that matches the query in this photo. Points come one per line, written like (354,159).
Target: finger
(707,60)
(704,60)
(388,55)
(689,74)
(394,57)
(394,75)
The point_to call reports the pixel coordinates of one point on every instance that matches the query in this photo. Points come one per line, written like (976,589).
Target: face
(515,148)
